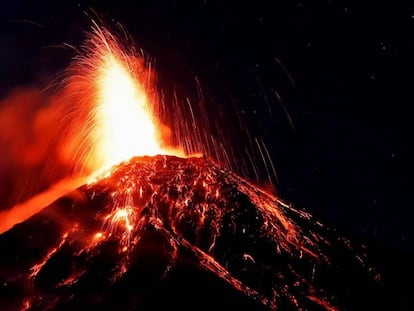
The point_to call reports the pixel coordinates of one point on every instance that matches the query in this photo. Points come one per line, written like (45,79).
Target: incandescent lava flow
(114,241)
(110,241)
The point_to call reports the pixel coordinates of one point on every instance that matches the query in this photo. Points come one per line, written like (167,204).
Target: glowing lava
(113,100)
(124,125)
(121,220)
(189,210)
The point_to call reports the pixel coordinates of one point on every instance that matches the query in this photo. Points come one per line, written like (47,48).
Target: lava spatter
(177,208)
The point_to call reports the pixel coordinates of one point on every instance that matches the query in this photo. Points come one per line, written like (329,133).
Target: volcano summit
(162,231)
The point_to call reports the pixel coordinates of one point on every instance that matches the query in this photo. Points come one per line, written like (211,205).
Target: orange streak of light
(25,210)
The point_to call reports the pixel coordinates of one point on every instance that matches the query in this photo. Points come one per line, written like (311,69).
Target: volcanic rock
(165,232)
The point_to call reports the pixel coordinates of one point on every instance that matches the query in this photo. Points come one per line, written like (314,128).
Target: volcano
(166,232)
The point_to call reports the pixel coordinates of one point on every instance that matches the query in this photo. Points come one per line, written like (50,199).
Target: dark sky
(343,72)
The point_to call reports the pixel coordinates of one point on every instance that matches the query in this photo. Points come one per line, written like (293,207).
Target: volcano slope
(165,232)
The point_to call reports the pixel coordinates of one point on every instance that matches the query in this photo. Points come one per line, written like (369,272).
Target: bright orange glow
(113,107)
(122,216)
(125,127)
(121,222)
(98,235)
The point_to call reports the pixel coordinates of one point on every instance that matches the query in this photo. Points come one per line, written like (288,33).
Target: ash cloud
(32,155)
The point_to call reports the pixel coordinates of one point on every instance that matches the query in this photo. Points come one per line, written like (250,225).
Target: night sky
(327,85)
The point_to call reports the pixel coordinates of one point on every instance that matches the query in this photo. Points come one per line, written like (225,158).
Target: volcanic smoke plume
(151,215)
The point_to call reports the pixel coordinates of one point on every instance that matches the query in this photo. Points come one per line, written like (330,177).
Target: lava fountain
(124,127)
(88,246)
(120,102)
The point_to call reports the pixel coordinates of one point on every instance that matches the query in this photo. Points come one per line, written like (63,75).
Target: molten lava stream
(25,210)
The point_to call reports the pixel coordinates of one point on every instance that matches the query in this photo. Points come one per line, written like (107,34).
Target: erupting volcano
(148,210)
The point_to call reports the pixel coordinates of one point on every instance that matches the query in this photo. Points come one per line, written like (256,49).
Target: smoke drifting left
(31,158)
(42,138)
